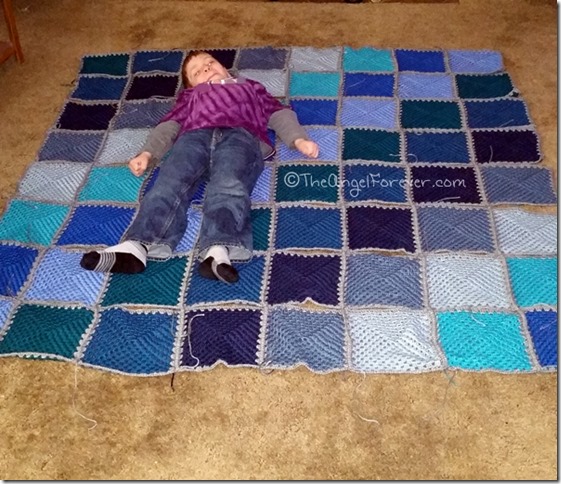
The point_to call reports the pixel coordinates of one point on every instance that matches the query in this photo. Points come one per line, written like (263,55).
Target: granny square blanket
(400,249)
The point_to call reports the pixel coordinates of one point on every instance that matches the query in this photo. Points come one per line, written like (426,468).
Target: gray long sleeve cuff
(285,124)
(160,140)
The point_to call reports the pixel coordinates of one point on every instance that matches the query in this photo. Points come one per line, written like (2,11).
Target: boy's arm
(285,124)
(160,140)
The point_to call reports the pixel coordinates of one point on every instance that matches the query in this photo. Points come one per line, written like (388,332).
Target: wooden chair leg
(12,30)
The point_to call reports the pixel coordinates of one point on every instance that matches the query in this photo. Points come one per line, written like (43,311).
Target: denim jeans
(231,160)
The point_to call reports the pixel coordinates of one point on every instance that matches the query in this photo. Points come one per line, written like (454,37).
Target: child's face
(204,68)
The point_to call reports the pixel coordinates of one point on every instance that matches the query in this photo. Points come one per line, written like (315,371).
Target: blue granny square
(380,228)
(437,147)
(299,227)
(225,56)
(262,58)
(142,114)
(262,189)
(375,113)
(139,343)
(383,281)
(116,184)
(5,308)
(221,335)
(543,329)
(296,278)
(359,84)
(274,80)
(475,61)
(99,88)
(159,60)
(315,111)
(313,338)
(96,225)
(454,229)
(483,341)
(533,280)
(499,113)
(71,146)
(314,84)
(374,182)
(327,140)
(152,86)
(15,265)
(392,341)
(32,222)
(60,277)
(367,59)
(420,61)
(444,184)
(418,86)
(187,242)
(86,117)
(518,185)
(247,289)
(313,59)
(122,145)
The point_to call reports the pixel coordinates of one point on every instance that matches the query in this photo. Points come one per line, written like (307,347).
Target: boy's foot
(217,265)
(126,258)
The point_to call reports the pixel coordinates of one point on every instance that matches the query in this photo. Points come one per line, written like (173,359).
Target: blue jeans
(231,160)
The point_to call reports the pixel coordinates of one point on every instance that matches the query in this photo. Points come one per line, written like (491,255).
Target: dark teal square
(365,144)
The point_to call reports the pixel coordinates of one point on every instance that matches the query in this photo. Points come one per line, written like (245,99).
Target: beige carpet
(241,424)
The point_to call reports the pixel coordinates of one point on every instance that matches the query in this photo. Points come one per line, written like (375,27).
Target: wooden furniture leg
(13,47)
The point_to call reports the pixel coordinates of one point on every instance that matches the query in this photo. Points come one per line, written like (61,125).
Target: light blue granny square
(313,338)
(5,308)
(122,145)
(533,280)
(419,86)
(522,232)
(392,341)
(314,84)
(483,341)
(375,113)
(475,61)
(312,59)
(60,277)
(328,140)
(274,80)
(457,281)
(367,59)
(187,242)
(262,189)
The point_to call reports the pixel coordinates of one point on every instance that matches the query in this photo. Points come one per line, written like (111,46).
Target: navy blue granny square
(15,266)
(230,336)
(437,147)
(443,228)
(444,184)
(543,329)
(139,343)
(380,228)
(383,281)
(71,146)
(295,278)
(226,57)
(164,61)
(142,114)
(313,338)
(518,185)
(515,146)
(144,87)
(262,58)
(315,111)
(360,84)
(96,225)
(374,182)
(302,227)
(99,88)
(247,289)
(80,117)
(420,61)
(499,113)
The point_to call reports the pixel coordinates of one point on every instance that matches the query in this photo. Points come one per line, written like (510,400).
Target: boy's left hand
(306,147)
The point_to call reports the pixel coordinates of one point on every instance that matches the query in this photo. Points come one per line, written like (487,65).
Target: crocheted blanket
(398,250)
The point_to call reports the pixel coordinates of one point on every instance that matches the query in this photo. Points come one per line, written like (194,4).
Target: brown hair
(191,55)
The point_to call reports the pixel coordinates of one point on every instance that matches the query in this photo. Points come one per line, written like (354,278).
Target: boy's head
(199,67)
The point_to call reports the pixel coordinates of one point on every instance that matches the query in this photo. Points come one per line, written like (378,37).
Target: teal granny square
(32,222)
(367,59)
(483,341)
(533,280)
(314,84)
(317,183)
(112,184)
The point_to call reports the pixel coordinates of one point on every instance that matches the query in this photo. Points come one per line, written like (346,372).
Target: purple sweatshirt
(245,104)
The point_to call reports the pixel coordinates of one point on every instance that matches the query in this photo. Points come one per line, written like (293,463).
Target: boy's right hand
(139,163)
